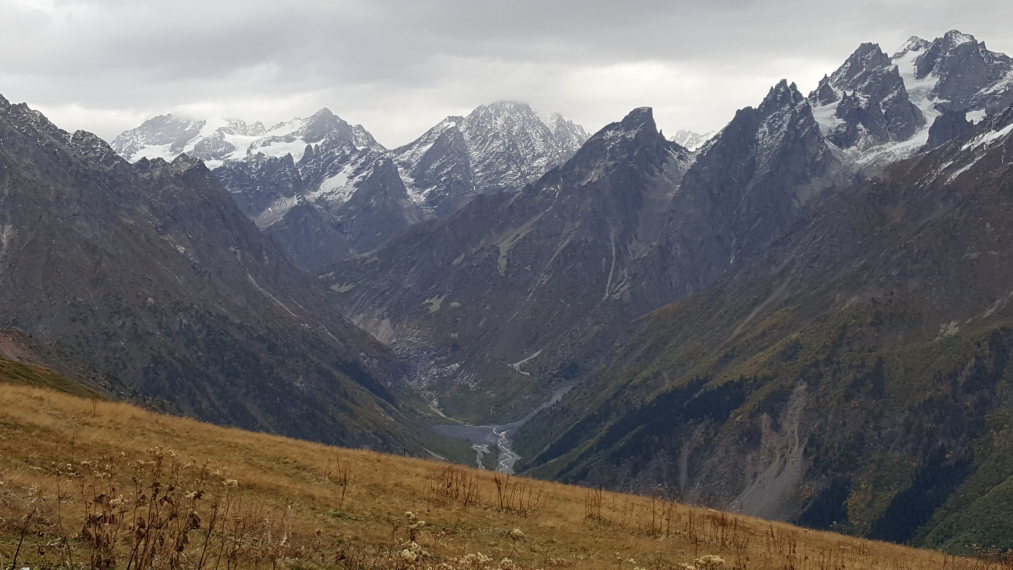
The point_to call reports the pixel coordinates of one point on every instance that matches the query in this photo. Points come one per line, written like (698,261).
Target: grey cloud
(400,66)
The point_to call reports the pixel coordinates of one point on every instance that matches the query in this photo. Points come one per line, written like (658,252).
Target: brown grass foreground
(87,483)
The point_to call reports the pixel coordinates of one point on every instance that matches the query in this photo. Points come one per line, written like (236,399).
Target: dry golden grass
(87,483)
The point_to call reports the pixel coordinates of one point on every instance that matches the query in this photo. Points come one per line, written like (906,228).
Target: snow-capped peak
(503,136)
(691,140)
(499,146)
(877,109)
(956,38)
(913,44)
(217,140)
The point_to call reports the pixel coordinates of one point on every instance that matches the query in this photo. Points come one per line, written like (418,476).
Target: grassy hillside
(92,483)
(39,376)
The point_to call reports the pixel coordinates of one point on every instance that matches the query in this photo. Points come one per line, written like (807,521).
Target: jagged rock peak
(966,75)
(185,162)
(781,96)
(639,119)
(956,38)
(634,125)
(869,50)
(636,135)
(868,56)
(88,139)
(498,114)
(28,120)
(914,43)
(824,93)
(94,147)
(323,123)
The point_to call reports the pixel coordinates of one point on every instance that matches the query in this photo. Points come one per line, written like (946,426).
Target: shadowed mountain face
(855,376)
(516,281)
(149,276)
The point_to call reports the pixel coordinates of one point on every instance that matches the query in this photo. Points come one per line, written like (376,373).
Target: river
(486,437)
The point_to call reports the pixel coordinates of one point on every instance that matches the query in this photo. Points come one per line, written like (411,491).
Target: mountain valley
(803,316)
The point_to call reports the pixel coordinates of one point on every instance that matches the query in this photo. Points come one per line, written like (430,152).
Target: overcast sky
(398,67)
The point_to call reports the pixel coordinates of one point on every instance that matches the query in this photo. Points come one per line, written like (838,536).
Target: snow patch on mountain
(976,116)
(338,188)
(153,151)
(919,90)
(988,138)
(826,117)
(276,211)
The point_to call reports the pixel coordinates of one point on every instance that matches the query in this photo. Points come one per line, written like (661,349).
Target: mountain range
(522,294)
(326,190)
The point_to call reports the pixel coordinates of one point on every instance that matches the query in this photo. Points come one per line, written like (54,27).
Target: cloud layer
(398,67)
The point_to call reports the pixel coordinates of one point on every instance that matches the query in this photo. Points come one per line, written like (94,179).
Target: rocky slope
(855,377)
(149,277)
(870,102)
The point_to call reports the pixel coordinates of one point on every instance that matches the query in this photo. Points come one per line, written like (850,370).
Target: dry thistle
(705,562)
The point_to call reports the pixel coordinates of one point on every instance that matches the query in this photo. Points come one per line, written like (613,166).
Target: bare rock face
(437,168)
(745,189)
(948,126)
